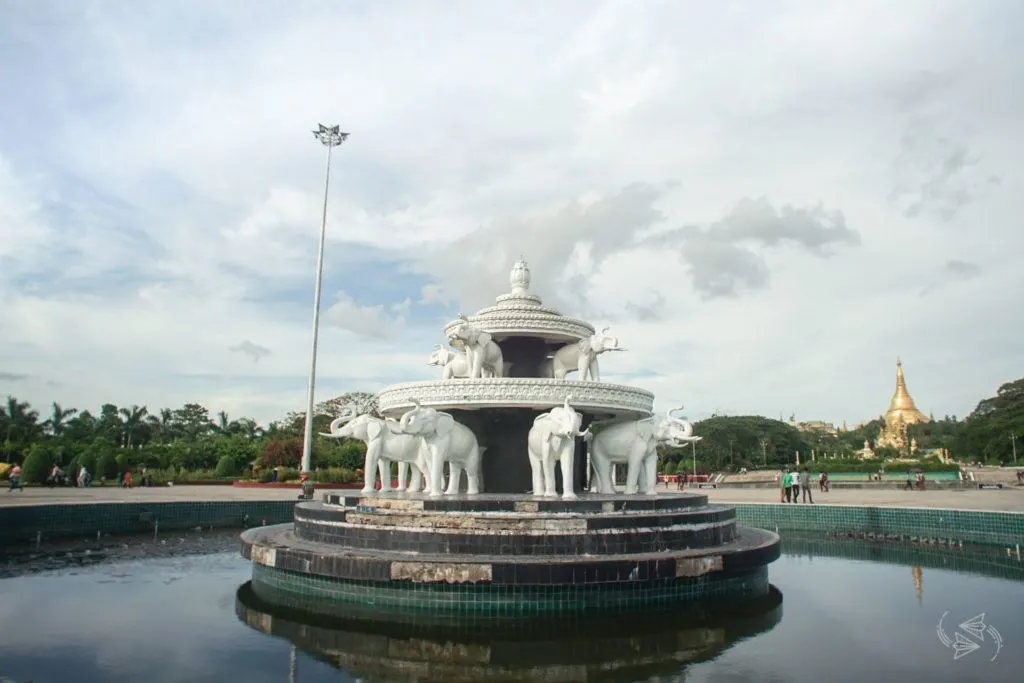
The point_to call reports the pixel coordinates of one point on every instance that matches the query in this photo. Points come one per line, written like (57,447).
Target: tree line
(189,444)
(185,444)
(754,442)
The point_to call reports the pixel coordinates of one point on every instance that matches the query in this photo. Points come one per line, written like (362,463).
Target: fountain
(502,511)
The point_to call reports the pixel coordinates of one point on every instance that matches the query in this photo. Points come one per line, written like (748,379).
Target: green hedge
(869,466)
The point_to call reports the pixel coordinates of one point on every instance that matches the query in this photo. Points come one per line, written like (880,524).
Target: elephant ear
(445,424)
(585,345)
(483,338)
(374,429)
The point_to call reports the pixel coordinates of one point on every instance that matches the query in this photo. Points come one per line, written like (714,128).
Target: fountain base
(412,557)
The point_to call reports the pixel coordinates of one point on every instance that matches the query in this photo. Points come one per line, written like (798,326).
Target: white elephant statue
(456,363)
(581,357)
(445,440)
(384,444)
(483,353)
(553,438)
(634,443)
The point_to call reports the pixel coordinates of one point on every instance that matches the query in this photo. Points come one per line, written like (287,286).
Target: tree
(986,433)
(194,421)
(58,419)
(134,424)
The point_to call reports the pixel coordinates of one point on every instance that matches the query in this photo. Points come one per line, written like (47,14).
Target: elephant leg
(473,474)
(583,366)
(370,466)
(415,479)
(650,481)
(455,478)
(602,471)
(538,474)
(567,462)
(560,372)
(403,474)
(384,468)
(548,462)
(436,469)
(636,458)
(595,372)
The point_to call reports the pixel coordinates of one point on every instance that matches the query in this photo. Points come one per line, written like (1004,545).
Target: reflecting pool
(180,610)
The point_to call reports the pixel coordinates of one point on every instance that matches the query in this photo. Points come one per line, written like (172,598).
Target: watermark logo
(970,636)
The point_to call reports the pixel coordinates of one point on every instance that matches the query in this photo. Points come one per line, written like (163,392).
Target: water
(162,616)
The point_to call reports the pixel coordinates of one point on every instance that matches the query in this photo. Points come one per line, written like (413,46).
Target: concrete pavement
(969,499)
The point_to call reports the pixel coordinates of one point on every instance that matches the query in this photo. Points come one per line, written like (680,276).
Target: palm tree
(21,421)
(133,423)
(163,426)
(226,425)
(58,419)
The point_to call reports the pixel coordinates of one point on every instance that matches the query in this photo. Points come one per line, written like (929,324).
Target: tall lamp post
(330,137)
(1013,443)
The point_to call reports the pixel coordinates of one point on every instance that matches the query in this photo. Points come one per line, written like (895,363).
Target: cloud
(251,349)
(12,376)
(935,172)
(743,197)
(951,272)
(962,269)
(367,321)
(721,258)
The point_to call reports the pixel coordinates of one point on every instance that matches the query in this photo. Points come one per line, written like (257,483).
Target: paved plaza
(1010,499)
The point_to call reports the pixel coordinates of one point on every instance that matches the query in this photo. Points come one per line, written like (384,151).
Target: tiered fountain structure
(530,522)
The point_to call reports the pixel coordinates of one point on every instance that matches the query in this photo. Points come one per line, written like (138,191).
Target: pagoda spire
(902,403)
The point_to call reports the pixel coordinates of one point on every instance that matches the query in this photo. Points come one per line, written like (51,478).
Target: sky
(767,202)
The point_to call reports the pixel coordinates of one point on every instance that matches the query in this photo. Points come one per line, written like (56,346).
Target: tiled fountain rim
(21,523)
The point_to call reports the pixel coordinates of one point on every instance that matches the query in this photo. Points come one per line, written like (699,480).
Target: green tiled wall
(418,602)
(990,528)
(989,561)
(23,523)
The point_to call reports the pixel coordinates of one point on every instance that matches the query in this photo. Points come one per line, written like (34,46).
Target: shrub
(668,467)
(266,476)
(285,453)
(187,476)
(334,475)
(5,471)
(37,465)
(288,474)
(226,467)
(106,466)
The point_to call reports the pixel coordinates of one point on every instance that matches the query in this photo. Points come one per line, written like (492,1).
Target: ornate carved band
(524,323)
(517,392)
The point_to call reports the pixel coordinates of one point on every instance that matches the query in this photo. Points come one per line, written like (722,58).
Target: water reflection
(608,649)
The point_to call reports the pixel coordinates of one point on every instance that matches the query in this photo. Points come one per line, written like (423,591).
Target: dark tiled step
(278,547)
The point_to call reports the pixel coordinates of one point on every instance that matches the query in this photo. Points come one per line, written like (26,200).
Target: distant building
(819,426)
(901,414)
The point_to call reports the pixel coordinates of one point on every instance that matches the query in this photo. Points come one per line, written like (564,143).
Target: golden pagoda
(902,412)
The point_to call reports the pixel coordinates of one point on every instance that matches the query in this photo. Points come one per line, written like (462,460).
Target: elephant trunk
(347,415)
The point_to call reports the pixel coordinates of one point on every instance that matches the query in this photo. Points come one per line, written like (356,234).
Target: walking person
(795,487)
(16,479)
(805,484)
(784,483)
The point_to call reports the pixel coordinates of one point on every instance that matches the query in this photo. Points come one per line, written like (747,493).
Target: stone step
(586,503)
(280,548)
(509,534)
